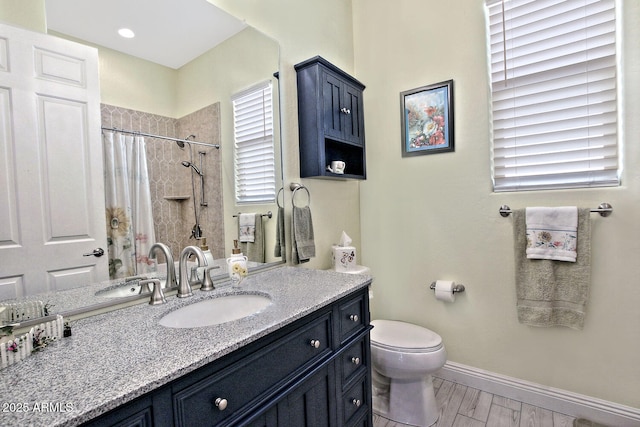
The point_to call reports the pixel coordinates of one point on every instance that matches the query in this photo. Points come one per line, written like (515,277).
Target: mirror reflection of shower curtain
(128,205)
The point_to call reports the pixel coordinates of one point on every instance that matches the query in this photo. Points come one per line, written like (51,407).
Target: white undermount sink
(216,310)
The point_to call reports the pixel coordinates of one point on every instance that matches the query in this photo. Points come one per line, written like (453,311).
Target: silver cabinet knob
(355,360)
(221,403)
(356,402)
(354,318)
(315,343)
(345,110)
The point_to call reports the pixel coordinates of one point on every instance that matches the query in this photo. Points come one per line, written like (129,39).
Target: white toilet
(404,356)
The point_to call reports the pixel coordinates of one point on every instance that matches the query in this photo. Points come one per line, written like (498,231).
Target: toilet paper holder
(457,288)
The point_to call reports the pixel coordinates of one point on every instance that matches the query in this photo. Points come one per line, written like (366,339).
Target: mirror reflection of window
(254,154)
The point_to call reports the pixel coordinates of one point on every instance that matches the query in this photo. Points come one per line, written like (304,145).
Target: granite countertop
(93,296)
(115,357)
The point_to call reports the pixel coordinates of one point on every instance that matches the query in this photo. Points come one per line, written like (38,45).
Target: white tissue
(444,290)
(345,240)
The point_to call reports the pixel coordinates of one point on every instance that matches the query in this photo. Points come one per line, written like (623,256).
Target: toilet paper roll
(444,290)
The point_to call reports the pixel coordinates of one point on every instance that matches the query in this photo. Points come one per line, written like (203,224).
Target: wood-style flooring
(462,406)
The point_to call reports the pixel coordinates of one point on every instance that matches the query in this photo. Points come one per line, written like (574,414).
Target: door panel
(51,183)
(332,99)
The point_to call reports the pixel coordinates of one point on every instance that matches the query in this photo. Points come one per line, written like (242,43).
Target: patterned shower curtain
(128,205)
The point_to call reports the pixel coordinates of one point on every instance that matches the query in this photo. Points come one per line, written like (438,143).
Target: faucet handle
(157,297)
(144,287)
(207,283)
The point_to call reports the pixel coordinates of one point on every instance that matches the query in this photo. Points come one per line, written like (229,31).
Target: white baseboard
(562,401)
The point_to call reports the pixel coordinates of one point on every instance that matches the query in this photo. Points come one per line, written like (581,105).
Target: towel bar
(268,214)
(456,288)
(604,209)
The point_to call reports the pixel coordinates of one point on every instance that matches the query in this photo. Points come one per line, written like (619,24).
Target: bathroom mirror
(202,90)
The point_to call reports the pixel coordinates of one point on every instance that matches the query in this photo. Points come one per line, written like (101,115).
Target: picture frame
(427,119)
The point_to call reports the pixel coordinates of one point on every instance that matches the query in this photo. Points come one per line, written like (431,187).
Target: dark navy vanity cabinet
(315,371)
(330,120)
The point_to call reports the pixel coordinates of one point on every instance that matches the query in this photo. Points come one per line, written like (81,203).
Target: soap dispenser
(198,273)
(237,265)
(207,253)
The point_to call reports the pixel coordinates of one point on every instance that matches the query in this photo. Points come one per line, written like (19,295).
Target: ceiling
(168,32)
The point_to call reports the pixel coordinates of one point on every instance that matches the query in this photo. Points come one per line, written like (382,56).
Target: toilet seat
(404,337)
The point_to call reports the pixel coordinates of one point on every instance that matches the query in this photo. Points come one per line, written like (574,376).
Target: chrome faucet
(171,267)
(184,289)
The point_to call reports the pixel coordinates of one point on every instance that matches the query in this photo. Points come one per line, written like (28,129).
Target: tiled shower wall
(170,182)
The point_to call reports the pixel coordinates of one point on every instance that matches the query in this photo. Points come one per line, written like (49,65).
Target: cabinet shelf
(331,120)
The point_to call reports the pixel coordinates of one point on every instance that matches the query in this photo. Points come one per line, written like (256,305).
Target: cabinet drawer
(355,399)
(236,387)
(352,317)
(353,360)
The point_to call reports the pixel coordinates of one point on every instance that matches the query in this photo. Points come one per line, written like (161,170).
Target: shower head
(181,143)
(187,164)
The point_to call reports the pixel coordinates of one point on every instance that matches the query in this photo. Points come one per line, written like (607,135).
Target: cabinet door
(267,419)
(313,403)
(351,114)
(332,95)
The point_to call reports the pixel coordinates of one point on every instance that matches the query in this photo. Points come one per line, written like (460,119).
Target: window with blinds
(254,154)
(553,85)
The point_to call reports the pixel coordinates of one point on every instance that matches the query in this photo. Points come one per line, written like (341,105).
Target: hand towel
(254,249)
(552,233)
(247,226)
(280,250)
(304,247)
(552,293)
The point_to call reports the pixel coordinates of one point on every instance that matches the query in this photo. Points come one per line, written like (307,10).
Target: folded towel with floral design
(552,233)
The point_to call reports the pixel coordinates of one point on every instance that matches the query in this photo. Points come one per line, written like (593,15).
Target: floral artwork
(427,119)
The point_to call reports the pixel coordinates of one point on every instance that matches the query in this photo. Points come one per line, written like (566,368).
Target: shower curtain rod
(133,132)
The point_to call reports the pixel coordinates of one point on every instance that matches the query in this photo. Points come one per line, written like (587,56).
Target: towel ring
(295,187)
(278,197)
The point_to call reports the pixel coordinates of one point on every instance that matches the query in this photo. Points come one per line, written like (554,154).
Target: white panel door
(51,179)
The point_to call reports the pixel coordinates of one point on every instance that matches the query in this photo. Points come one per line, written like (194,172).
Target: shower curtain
(128,205)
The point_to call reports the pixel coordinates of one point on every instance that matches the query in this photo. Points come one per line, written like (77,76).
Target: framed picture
(427,119)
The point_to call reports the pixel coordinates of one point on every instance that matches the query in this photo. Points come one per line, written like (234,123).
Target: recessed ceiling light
(126,33)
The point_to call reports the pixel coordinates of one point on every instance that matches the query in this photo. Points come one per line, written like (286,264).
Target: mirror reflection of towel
(247,227)
(254,250)
(304,247)
(280,250)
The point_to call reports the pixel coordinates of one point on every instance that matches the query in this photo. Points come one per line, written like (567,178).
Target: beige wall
(24,13)
(435,217)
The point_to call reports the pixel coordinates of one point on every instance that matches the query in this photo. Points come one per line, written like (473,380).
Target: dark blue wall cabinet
(330,120)
(314,372)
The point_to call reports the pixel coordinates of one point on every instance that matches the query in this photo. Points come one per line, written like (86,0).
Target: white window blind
(553,84)
(254,156)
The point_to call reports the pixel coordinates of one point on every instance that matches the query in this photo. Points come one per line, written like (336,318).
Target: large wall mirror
(184,94)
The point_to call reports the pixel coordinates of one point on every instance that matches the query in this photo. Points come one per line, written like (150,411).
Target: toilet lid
(393,334)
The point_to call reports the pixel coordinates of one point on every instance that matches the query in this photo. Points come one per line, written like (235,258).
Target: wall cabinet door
(342,109)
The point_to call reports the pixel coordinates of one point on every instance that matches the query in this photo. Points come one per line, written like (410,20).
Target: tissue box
(344,258)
